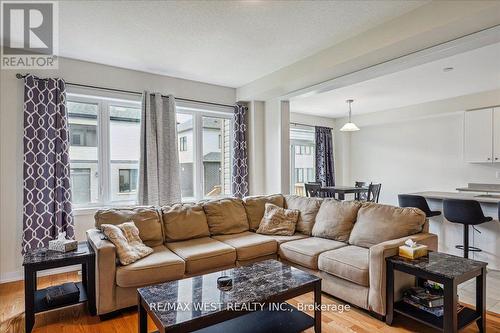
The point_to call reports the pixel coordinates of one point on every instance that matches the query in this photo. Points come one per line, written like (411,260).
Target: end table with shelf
(450,271)
(41,259)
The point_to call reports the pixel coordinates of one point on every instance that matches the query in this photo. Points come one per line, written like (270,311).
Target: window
(80,184)
(83,135)
(183,143)
(205,160)
(104,150)
(302,157)
(127,180)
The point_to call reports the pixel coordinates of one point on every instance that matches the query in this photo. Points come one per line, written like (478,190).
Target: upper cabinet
(482,135)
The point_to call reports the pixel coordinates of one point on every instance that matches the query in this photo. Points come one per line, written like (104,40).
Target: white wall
(420,148)
(11,150)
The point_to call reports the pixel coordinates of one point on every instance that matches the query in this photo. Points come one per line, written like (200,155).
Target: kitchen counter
(451,234)
(482,198)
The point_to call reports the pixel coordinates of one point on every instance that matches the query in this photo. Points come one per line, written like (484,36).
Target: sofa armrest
(377,268)
(105,253)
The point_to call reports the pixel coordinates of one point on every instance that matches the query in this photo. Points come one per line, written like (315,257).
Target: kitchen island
(450,234)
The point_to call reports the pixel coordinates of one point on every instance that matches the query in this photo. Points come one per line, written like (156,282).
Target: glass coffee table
(255,303)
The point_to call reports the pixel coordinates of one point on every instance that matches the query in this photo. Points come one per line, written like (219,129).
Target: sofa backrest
(184,221)
(147,220)
(226,216)
(256,205)
(377,223)
(308,208)
(335,219)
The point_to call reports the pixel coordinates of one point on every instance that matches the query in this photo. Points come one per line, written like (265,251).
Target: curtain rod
(21,76)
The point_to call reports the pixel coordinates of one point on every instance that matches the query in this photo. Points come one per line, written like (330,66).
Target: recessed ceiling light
(448,69)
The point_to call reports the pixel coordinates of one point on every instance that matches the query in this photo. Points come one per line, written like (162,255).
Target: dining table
(341,191)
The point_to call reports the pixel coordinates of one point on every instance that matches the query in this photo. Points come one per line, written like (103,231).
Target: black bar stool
(466,212)
(417,201)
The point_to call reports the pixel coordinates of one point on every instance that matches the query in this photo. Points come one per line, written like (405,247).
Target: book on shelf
(423,297)
(437,311)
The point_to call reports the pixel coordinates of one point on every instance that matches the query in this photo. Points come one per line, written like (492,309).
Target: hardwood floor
(77,320)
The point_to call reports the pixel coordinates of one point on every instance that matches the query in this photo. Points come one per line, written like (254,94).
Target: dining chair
(373,192)
(361,196)
(325,192)
(312,189)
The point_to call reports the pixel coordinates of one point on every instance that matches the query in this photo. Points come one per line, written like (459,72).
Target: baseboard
(19,275)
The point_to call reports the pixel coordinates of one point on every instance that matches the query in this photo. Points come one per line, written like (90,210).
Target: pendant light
(349,126)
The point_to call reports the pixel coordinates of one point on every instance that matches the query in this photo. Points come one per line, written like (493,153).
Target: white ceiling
(474,71)
(230,43)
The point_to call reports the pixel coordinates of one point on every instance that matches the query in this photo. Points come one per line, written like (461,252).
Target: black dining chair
(361,196)
(312,189)
(373,192)
(465,212)
(417,201)
(326,193)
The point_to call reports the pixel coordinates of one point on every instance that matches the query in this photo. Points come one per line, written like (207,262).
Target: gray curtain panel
(240,152)
(46,172)
(159,172)
(324,156)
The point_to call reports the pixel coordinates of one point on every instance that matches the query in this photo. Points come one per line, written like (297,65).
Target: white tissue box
(63,245)
(413,252)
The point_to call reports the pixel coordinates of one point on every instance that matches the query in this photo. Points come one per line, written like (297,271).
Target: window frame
(103,145)
(197,113)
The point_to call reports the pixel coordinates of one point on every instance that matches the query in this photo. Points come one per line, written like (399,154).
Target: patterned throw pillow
(125,237)
(278,221)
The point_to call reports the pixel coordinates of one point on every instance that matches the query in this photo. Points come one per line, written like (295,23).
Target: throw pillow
(125,237)
(335,219)
(278,221)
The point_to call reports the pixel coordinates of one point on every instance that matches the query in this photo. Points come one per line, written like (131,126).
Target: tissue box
(413,252)
(63,245)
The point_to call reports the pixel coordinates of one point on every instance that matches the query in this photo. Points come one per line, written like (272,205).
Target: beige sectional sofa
(345,243)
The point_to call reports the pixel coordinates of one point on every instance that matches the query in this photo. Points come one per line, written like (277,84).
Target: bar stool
(417,201)
(466,212)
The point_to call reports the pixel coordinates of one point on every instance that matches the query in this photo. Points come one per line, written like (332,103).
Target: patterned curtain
(324,156)
(240,152)
(47,195)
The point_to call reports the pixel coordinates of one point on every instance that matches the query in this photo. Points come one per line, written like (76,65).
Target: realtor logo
(29,34)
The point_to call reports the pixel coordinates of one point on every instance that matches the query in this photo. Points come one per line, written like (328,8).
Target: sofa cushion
(202,254)
(335,219)
(184,221)
(160,266)
(308,208)
(283,239)
(249,245)
(226,216)
(378,223)
(255,207)
(278,221)
(348,262)
(305,251)
(146,219)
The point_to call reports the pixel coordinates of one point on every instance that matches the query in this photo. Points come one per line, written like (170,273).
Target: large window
(104,150)
(302,157)
(204,153)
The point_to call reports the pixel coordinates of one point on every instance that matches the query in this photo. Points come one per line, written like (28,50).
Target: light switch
(498,174)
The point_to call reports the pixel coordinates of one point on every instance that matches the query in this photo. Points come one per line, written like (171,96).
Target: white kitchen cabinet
(496,135)
(479,136)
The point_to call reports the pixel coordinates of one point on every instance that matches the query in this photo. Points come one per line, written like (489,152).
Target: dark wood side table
(450,271)
(41,259)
